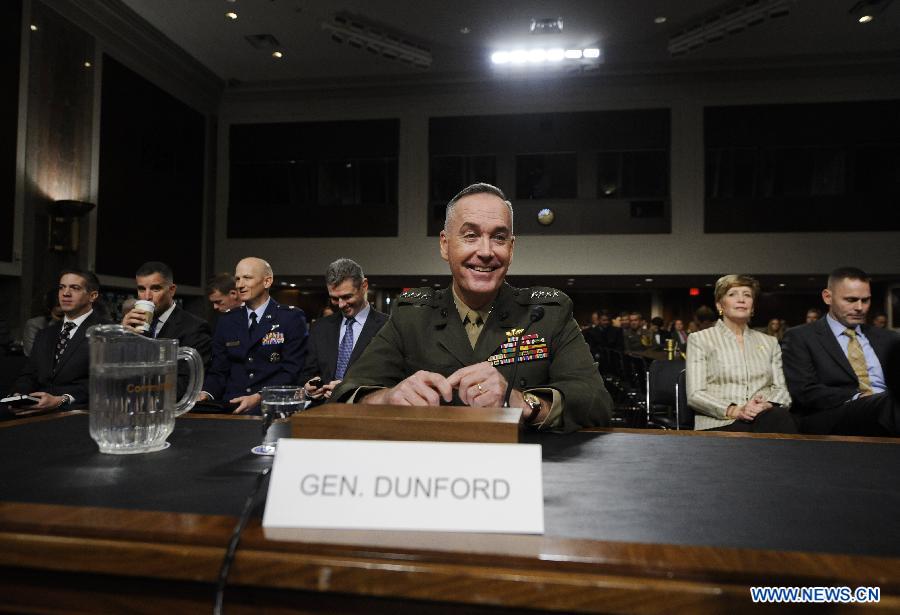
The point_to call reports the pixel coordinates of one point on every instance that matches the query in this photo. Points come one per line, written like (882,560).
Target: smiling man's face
(478,246)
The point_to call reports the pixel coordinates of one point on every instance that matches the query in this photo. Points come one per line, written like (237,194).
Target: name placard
(419,486)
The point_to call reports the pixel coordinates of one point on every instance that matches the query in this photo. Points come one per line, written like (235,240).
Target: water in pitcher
(132,406)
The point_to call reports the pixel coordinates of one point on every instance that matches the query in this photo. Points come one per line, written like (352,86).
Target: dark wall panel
(314,179)
(150,202)
(10,45)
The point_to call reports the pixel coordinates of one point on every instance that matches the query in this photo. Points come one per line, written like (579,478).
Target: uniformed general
(260,344)
(460,345)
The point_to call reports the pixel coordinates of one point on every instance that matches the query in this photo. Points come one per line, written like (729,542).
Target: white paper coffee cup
(148,307)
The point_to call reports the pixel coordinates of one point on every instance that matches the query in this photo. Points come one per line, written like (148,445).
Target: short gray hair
(344,269)
(479,188)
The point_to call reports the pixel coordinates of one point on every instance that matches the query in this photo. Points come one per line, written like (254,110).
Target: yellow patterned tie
(858,361)
(473,326)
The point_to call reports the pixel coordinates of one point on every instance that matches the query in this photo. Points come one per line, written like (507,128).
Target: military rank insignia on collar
(532,347)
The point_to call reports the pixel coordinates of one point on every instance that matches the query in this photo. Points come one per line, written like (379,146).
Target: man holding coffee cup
(155,314)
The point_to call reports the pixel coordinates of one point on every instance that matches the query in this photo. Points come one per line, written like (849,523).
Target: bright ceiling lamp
(584,56)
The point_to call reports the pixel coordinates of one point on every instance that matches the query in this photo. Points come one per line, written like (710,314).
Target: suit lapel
(368,332)
(879,343)
(170,325)
(332,332)
(832,347)
(449,332)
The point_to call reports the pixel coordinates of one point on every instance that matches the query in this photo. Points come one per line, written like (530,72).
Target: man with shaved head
(260,344)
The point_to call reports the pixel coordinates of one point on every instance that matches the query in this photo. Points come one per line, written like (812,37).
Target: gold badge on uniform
(274,357)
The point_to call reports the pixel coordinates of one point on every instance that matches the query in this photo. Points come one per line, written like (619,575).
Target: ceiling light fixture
(33,28)
(866,11)
(730,20)
(277,54)
(547,25)
(660,19)
(589,56)
(231,15)
(359,34)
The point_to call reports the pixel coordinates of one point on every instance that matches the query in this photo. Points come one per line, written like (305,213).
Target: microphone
(537,312)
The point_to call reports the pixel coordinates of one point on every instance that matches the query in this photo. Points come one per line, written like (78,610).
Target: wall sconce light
(63,225)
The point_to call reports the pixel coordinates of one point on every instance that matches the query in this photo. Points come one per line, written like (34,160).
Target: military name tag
(232,344)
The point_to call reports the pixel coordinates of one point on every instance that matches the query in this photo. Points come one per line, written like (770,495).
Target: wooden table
(73,557)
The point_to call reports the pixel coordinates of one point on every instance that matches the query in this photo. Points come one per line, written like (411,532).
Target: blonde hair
(727,282)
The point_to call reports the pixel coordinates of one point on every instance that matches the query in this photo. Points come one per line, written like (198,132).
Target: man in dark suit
(58,367)
(156,282)
(336,341)
(259,345)
(601,334)
(835,366)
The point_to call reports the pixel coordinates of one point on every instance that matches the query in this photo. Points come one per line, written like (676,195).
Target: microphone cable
(249,506)
(537,312)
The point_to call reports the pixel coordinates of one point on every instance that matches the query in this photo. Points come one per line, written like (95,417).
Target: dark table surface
(804,495)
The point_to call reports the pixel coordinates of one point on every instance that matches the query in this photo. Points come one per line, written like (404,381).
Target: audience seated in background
(880,320)
(262,344)
(834,366)
(52,313)
(658,334)
(337,341)
(58,368)
(679,334)
(775,329)
(637,337)
(603,335)
(704,318)
(221,293)
(813,314)
(734,374)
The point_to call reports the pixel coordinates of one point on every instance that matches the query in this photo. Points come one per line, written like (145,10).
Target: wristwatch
(534,403)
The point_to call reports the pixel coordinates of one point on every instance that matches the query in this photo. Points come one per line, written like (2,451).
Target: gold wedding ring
(480,389)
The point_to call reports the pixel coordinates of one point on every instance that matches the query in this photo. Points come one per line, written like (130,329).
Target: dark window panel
(546,176)
(322,179)
(539,158)
(804,167)
(151,170)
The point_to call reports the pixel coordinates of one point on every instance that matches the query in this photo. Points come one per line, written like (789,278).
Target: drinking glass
(277,403)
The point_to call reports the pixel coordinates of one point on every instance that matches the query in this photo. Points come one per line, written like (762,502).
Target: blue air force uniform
(273,354)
